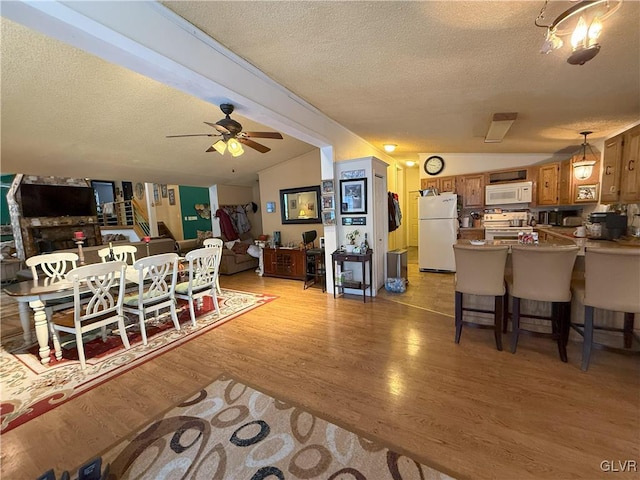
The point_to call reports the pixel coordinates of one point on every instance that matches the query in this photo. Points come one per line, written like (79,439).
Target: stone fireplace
(36,235)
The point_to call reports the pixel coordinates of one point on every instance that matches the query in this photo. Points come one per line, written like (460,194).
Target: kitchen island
(559,236)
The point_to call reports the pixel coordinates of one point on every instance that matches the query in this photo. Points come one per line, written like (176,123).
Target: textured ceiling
(429,75)
(425,75)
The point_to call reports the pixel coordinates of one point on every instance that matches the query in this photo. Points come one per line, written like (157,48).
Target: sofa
(233,260)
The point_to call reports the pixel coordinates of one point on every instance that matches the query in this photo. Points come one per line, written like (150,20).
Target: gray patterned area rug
(231,431)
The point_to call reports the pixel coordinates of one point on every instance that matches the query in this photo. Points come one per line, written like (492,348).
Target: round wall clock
(433,165)
(139,191)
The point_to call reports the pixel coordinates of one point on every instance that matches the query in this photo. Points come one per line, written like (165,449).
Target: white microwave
(506,193)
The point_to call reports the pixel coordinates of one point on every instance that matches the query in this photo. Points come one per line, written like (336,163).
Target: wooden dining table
(32,295)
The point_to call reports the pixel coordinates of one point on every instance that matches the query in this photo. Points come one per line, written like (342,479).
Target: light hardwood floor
(387,369)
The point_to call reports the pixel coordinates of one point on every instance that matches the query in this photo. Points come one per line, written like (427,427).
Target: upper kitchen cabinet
(565,195)
(472,190)
(442,184)
(612,160)
(620,179)
(630,179)
(548,176)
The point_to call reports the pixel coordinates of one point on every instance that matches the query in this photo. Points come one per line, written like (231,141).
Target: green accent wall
(190,196)
(5,180)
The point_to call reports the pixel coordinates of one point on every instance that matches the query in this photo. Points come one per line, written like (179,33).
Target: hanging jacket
(226,225)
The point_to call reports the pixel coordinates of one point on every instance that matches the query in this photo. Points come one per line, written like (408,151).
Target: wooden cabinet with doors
(565,190)
(285,263)
(442,184)
(548,184)
(630,178)
(611,162)
(472,190)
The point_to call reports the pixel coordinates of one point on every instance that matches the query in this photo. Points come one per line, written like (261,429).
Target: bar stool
(612,282)
(480,271)
(543,274)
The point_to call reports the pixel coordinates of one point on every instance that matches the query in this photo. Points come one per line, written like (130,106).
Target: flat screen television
(57,201)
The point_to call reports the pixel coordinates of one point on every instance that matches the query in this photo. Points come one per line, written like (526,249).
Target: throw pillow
(229,245)
(240,248)
(203,235)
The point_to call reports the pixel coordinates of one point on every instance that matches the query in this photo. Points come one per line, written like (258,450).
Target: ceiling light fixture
(389,147)
(583,169)
(220,146)
(499,127)
(584,22)
(410,163)
(235,148)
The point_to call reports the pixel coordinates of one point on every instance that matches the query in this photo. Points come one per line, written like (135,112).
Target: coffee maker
(613,224)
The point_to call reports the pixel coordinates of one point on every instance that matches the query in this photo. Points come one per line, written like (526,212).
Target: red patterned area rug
(30,389)
(230,430)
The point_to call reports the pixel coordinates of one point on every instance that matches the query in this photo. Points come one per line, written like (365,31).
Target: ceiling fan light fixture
(389,147)
(235,149)
(499,126)
(220,146)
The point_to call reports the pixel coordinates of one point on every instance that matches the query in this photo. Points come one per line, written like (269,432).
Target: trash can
(397,267)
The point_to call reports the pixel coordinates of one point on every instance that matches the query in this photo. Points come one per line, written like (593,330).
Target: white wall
(467,163)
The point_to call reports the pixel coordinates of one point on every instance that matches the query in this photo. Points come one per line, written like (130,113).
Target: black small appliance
(614,225)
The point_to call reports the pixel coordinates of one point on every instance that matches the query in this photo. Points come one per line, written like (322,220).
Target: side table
(338,257)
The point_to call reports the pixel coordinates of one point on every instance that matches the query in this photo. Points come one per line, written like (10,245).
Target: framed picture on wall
(329,217)
(172,196)
(353,196)
(163,190)
(327,186)
(156,194)
(327,202)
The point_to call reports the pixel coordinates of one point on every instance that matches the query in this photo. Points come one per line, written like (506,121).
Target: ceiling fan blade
(254,145)
(210,149)
(192,135)
(264,135)
(220,128)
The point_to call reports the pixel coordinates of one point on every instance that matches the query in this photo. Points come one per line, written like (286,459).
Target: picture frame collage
(328,202)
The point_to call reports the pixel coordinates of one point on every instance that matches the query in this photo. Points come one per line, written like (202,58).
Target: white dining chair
(217,244)
(203,272)
(157,275)
(53,267)
(122,253)
(97,302)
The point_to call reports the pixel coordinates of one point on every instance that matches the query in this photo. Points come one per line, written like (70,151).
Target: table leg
(25,321)
(364,290)
(42,330)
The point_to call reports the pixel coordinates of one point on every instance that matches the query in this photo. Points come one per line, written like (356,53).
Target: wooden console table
(285,263)
(339,258)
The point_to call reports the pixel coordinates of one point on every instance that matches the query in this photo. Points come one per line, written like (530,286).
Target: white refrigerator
(437,232)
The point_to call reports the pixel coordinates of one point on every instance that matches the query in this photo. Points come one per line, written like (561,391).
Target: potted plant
(351,236)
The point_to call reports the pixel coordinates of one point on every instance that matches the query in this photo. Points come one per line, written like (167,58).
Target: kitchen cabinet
(548,176)
(285,263)
(630,179)
(565,190)
(612,161)
(442,184)
(472,190)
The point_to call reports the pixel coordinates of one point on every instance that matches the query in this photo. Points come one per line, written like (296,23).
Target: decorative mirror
(300,205)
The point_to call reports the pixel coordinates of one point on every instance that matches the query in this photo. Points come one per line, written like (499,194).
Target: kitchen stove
(498,226)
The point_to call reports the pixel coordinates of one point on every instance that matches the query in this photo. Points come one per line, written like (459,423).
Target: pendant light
(583,169)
